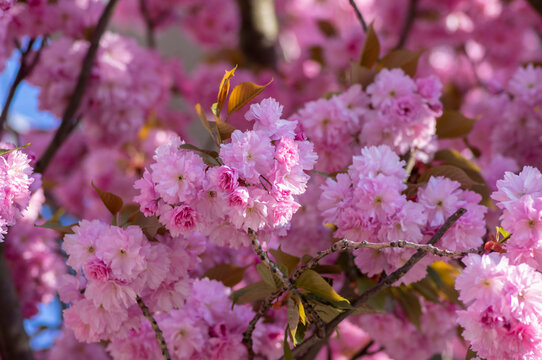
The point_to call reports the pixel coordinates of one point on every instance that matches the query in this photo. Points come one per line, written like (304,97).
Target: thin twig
(359,15)
(411,161)
(286,283)
(384,283)
(25,69)
(149,24)
(363,351)
(69,121)
(407,26)
(156,328)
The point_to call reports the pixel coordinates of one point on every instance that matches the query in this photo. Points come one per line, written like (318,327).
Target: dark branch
(14,342)
(407,26)
(359,15)
(384,283)
(25,69)
(69,120)
(259,32)
(156,328)
(149,24)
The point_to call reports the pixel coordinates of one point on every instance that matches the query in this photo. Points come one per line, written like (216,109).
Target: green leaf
(244,93)
(378,301)
(444,274)
(148,224)
(410,304)
(453,157)
(502,232)
(267,275)
(453,124)
(311,281)
(128,213)
(361,75)
(205,122)
(300,333)
(371,48)
(286,346)
(328,269)
(406,60)
(224,129)
(325,312)
(7,151)
(211,153)
(228,274)
(301,309)
(56,226)
(293,317)
(251,293)
(449,171)
(427,289)
(290,261)
(112,202)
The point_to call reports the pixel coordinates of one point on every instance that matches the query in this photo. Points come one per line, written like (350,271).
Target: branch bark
(259,32)
(156,328)
(25,69)
(313,343)
(149,24)
(14,342)
(407,26)
(69,120)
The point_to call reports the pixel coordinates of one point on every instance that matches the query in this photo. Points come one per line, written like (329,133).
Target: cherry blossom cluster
(196,18)
(114,266)
(33,258)
(260,172)
(367,204)
(520,198)
(400,337)
(206,327)
(126,84)
(504,307)
(510,122)
(395,110)
(15,181)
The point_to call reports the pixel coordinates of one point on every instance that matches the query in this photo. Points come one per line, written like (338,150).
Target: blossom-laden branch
(359,15)
(407,27)
(287,284)
(26,65)
(156,328)
(69,118)
(314,343)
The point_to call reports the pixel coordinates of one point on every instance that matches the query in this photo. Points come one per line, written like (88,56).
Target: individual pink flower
(225,178)
(179,219)
(177,173)
(251,153)
(287,153)
(148,198)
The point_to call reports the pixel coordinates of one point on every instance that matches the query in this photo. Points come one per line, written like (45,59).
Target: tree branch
(259,31)
(384,283)
(25,69)
(69,117)
(149,24)
(287,284)
(407,26)
(359,15)
(14,342)
(156,328)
